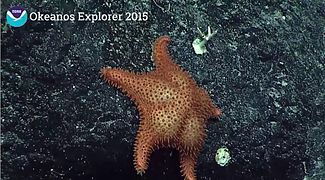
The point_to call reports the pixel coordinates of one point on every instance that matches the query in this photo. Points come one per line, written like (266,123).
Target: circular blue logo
(16,16)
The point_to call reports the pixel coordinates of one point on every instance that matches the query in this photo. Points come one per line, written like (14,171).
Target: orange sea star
(173,109)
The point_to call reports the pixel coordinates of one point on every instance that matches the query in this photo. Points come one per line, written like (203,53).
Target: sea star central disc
(173,109)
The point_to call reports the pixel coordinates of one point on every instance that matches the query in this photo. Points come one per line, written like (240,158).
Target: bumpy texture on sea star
(173,109)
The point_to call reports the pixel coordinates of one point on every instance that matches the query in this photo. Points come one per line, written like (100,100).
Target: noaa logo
(16,16)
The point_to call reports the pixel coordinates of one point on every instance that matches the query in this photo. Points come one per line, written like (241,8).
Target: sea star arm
(143,148)
(188,162)
(160,55)
(128,82)
(140,87)
(192,139)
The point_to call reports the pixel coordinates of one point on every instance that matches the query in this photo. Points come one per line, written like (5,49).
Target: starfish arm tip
(217,112)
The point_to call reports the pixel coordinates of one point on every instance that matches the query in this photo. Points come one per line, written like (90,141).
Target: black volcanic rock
(264,68)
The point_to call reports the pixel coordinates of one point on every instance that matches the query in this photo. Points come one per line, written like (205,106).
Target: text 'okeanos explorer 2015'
(93,17)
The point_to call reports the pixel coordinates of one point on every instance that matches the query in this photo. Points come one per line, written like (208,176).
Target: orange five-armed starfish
(173,109)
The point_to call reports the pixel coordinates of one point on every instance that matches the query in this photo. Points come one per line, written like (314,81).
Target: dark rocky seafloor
(264,69)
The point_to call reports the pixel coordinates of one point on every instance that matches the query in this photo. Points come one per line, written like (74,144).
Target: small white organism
(199,43)
(223,156)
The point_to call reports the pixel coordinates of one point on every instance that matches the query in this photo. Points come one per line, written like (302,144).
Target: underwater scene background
(264,67)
